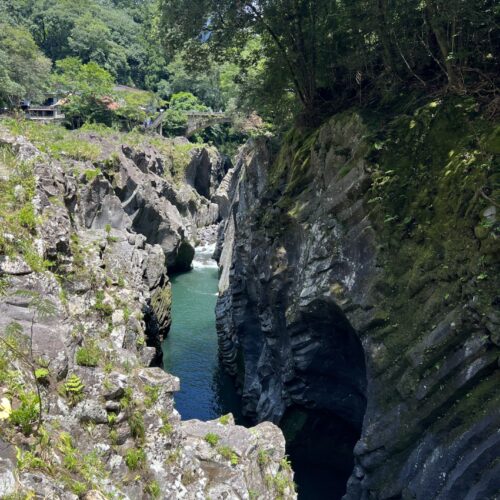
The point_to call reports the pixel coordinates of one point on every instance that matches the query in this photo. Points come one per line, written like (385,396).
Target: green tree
(89,88)
(51,22)
(329,54)
(122,37)
(24,71)
(175,118)
(297,34)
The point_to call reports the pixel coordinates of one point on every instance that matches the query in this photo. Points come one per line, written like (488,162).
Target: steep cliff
(85,242)
(359,298)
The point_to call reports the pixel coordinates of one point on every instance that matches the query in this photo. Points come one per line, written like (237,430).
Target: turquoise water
(190,349)
(190,352)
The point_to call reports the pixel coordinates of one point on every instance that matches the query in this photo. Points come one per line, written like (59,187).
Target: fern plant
(73,388)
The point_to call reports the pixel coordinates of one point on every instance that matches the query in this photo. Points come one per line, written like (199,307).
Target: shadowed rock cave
(324,422)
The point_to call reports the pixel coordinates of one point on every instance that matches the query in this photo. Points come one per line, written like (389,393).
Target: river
(207,392)
(190,349)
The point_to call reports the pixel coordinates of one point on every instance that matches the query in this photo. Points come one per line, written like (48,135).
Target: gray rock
(91,411)
(115,385)
(116,296)
(156,377)
(7,469)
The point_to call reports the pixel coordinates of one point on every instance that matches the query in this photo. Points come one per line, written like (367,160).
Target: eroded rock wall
(82,315)
(359,285)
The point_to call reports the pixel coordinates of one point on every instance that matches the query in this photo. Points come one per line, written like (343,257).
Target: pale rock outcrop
(95,320)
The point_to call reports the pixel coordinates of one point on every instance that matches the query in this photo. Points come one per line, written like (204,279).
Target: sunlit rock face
(93,322)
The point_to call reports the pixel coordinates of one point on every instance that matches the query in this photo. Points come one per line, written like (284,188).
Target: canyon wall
(84,304)
(359,297)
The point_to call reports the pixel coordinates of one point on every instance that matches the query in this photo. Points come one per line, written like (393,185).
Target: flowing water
(190,349)
(190,352)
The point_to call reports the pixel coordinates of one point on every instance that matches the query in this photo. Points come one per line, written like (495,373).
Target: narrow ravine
(207,392)
(190,349)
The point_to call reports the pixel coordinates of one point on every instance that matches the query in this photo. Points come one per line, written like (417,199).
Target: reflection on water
(190,349)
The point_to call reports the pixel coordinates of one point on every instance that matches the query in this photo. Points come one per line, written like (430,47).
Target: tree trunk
(451,72)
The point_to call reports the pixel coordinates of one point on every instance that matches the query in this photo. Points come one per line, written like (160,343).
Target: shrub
(153,488)
(166,429)
(153,392)
(28,460)
(101,306)
(113,436)
(263,458)
(212,439)
(77,487)
(91,174)
(88,356)
(136,424)
(224,419)
(229,454)
(70,460)
(126,400)
(27,413)
(26,216)
(42,374)
(135,458)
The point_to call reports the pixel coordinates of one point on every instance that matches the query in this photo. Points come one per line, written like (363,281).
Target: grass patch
(89,355)
(212,439)
(55,140)
(229,454)
(135,458)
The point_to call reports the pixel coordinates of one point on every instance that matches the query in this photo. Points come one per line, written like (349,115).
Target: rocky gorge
(89,232)
(357,310)
(358,298)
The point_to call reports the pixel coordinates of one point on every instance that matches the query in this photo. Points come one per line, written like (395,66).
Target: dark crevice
(324,422)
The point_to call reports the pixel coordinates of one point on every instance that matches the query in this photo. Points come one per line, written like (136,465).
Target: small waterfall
(203,257)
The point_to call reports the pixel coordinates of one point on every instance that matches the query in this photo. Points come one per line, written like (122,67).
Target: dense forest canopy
(329,53)
(280,58)
(121,36)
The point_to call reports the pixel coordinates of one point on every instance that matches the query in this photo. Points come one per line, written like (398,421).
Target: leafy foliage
(121,37)
(24,71)
(26,414)
(73,388)
(212,439)
(328,55)
(175,118)
(88,355)
(135,458)
(89,87)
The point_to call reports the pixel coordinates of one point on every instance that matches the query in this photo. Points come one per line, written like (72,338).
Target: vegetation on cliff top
(324,56)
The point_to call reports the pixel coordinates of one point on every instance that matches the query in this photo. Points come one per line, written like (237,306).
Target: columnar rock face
(82,316)
(358,300)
